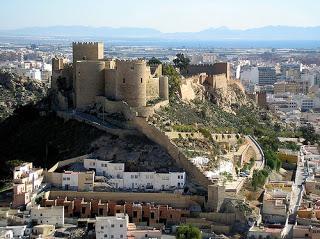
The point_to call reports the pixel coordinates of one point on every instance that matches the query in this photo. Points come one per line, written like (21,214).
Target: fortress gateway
(91,76)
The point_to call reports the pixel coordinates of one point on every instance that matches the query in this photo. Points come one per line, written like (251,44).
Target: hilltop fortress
(125,94)
(91,76)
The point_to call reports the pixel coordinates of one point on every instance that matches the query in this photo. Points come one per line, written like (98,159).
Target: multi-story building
(291,71)
(48,215)
(305,232)
(113,227)
(119,178)
(284,87)
(276,201)
(71,180)
(267,75)
(26,183)
(307,104)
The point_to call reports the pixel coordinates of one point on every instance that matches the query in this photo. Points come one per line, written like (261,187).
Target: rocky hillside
(16,91)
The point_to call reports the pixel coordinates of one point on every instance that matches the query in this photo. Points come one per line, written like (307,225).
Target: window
(105,235)
(102,227)
(112,236)
(152,215)
(121,236)
(146,235)
(40,214)
(112,225)
(124,80)
(141,80)
(121,225)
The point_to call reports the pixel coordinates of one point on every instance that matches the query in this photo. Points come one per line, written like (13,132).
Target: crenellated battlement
(85,43)
(203,64)
(136,61)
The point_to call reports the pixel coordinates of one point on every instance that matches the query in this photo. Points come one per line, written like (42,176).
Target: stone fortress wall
(127,81)
(210,69)
(89,82)
(87,51)
(132,81)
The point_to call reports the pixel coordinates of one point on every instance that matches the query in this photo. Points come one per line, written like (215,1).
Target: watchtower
(87,51)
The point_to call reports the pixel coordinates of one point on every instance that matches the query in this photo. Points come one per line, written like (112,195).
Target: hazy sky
(164,15)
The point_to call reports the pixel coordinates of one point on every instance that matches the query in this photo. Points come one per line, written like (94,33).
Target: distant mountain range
(222,33)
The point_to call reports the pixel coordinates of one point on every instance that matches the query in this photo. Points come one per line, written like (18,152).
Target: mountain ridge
(220,33)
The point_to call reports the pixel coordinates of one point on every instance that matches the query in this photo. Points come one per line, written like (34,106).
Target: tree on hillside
(154,61)
(188,232)
(181,61)
(174,79)
(308,133)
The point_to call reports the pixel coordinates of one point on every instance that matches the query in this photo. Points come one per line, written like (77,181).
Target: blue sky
(164,15)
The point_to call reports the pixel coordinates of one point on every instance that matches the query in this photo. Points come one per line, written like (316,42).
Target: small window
(112,225)
(112,236)
(121,225)
(146,235)
(121,236)
(105,235)
(102,227)
(124,80)
(141,80)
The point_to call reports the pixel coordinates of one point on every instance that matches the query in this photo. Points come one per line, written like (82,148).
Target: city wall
(223,218)
(174,200)
(160,138)
(114,131)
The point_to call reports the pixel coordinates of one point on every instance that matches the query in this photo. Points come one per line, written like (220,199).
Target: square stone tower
(87,51)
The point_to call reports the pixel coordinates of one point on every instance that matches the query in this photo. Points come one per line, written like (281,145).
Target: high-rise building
(267,75)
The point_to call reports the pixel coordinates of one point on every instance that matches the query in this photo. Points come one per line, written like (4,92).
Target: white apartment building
(70,180)
(118,178)
(26,182)
(48,215)
(105,168)
(113,227)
